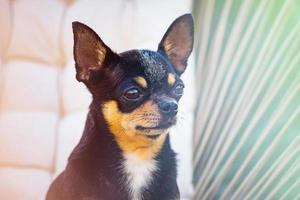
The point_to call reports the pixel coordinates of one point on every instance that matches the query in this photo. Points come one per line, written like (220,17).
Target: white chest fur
(139,173)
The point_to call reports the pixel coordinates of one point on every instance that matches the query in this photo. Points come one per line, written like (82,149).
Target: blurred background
(247,122)
(238,135)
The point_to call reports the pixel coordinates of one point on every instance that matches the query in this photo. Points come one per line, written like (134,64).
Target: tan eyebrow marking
(141,81)
(171,79)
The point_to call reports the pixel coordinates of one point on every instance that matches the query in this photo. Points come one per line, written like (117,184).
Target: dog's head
(137,90)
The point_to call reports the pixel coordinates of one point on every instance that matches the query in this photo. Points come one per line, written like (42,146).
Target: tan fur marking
(168,45)
(171,79)
(141,81)
(101,55)
(123,126)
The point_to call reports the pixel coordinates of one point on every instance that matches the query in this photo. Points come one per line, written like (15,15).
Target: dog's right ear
(90,52)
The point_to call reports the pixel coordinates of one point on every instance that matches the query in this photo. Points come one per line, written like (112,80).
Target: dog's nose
(168,107)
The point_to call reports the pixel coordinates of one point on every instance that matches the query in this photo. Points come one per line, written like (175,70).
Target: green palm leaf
(247,129)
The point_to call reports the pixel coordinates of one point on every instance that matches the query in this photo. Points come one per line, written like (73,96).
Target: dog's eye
(178,90)
(132,94)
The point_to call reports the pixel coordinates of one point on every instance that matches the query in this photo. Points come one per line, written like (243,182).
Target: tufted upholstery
(42,107)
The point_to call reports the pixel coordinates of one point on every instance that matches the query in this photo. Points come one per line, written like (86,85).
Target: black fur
(94,170)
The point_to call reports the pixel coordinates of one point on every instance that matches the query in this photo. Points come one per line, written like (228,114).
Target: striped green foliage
(247,128)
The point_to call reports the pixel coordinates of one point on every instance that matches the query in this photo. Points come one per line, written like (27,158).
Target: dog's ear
(177,43)
(90,52)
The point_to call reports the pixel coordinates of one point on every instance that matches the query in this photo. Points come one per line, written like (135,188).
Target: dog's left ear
(177,43)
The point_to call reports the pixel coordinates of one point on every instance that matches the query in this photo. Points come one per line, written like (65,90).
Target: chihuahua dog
(125,152)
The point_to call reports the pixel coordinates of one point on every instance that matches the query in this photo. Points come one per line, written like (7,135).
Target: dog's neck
(96,140)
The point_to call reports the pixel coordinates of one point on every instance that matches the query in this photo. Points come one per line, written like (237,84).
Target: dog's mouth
(159,128)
